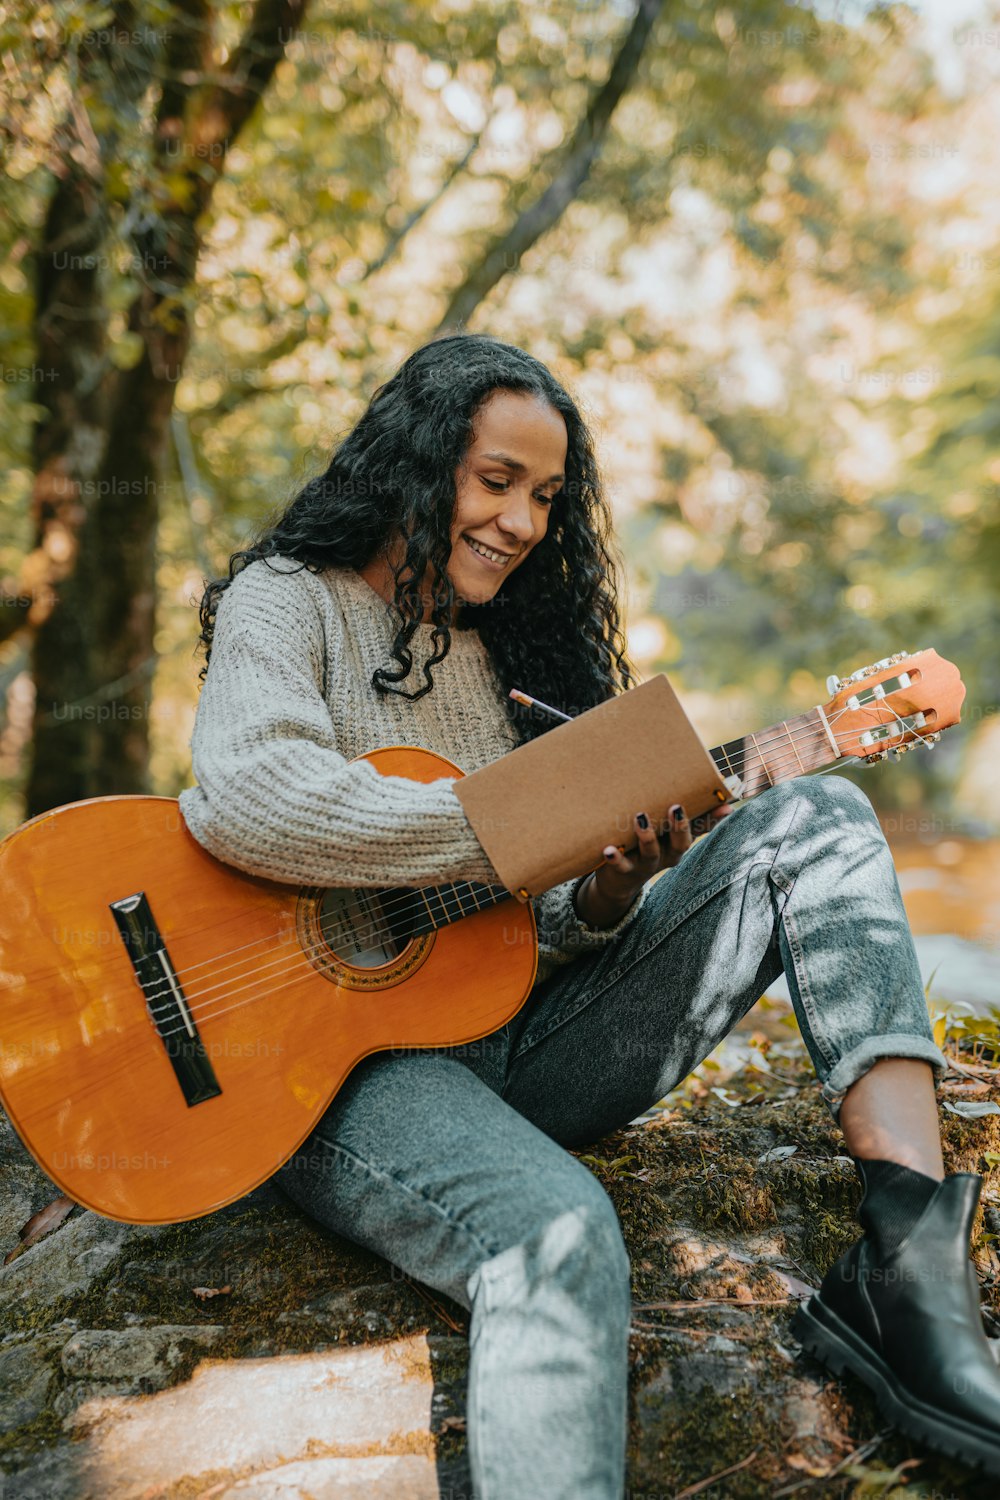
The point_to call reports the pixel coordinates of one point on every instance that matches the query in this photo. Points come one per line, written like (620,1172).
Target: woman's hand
(611,889)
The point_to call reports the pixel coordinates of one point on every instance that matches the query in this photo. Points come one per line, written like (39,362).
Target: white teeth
(485,551)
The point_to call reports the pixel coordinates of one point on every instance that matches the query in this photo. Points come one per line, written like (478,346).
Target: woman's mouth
(494,561)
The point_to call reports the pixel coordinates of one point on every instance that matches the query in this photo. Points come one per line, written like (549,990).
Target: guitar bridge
(166,1003)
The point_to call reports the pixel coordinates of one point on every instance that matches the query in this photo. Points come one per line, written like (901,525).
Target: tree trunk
(70,443)
(100,447)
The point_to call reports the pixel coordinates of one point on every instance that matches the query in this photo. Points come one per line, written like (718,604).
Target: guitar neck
(792,748)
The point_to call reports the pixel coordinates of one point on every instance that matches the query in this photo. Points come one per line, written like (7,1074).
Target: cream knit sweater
(288,702)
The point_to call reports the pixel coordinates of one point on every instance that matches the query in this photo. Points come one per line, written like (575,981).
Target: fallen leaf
(724,1095)
(969,1109)
(803,1465)
(778,1153)
(204,1292)
(452,1424)
(41,1224)
(796,1288)
(879,1479)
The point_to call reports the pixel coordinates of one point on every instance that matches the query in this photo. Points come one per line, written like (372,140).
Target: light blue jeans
(450,1163)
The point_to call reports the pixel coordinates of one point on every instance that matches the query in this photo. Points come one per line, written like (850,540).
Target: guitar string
(412,895)
(299,963)
(135,1025)
(410,900)
(208,1014)
(410,903)
(815,731)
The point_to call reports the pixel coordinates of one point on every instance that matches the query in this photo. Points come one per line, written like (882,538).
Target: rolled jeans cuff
(862,1057)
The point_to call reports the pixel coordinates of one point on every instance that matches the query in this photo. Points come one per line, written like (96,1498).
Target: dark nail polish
(679,813)
(642,820)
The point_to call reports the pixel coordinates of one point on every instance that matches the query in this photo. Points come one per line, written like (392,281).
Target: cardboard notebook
(544,811)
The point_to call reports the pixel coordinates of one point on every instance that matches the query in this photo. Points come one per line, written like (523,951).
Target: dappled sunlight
(316,1415)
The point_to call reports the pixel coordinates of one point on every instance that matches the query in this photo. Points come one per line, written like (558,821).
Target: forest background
(758,242)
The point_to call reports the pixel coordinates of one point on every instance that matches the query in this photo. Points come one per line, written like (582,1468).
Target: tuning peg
(930,740)
(833,684)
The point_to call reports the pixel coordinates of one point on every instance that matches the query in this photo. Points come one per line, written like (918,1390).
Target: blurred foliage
(774,296)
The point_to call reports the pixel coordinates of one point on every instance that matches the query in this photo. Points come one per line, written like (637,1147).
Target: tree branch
(579,157)
(227,105)
(395,240)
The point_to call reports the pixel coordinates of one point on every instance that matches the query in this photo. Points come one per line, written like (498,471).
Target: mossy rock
(727,1211)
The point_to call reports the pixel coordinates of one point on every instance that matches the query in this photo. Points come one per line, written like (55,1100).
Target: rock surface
(323,1372)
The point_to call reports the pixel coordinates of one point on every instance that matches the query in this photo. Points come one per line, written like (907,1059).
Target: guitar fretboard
(792,748)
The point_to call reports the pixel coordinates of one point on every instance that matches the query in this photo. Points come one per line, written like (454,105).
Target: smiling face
(504,488)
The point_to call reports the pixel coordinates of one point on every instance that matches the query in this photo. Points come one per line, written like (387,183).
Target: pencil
(530,702)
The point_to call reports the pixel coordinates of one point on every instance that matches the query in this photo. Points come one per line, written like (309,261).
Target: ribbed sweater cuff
(565,930)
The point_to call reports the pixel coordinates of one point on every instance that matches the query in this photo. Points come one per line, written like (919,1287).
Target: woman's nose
(516,517)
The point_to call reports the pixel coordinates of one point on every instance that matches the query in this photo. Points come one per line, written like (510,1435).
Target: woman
(457,546)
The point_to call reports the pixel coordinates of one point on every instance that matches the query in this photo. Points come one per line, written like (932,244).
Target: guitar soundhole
(363,928)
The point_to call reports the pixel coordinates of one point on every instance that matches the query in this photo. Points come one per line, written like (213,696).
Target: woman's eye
(498,486)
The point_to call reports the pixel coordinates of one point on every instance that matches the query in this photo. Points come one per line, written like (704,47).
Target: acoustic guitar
(171,1029)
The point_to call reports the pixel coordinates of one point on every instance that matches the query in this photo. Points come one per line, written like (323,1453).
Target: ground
(251,1356)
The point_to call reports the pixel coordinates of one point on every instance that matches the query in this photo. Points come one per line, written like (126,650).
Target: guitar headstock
(894,704)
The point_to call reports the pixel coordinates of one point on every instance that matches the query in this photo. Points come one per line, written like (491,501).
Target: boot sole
(828,1338)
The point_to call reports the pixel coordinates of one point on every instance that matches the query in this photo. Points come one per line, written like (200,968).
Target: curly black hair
(558,634)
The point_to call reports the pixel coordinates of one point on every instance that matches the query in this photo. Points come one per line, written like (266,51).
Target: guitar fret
(791,741)
(795,747)
(462,892)
(450,900)
(442,919)
(430,914)
(815,746)
(763,763)
(729,765)
(487,895)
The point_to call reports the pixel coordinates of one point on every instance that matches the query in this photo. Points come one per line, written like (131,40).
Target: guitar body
(156,1078)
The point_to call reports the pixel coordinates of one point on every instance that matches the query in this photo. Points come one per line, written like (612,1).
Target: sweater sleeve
(563,936)
(275,797)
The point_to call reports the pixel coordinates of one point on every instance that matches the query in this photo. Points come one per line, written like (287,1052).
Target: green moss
(26,1316)
(20,1445)
(711,1432)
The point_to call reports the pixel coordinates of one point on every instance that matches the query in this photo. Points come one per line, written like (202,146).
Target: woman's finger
(680,828)
(648,842)
(680,834)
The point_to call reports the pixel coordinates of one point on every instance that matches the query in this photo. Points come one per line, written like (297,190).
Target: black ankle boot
(895,1197)
(908,1324)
